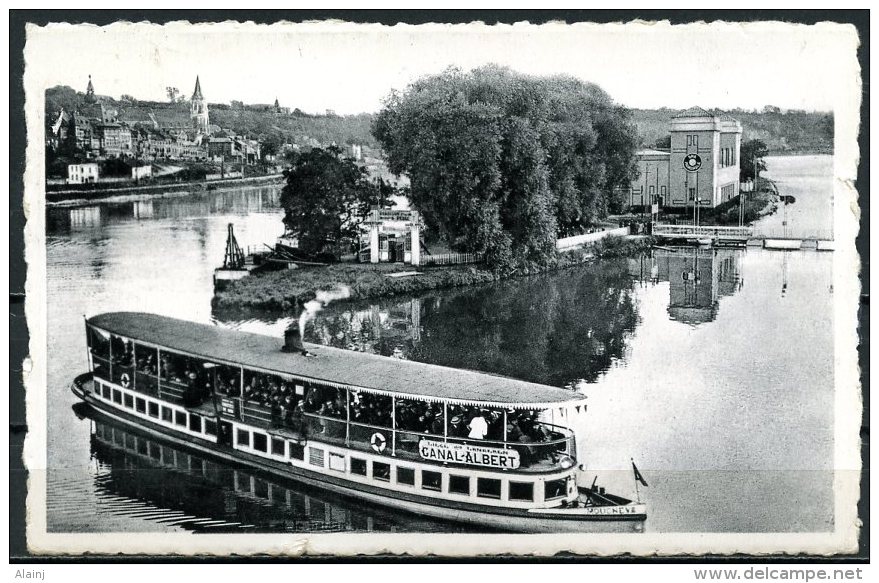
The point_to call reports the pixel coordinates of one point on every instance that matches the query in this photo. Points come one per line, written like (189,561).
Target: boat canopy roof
(334,366)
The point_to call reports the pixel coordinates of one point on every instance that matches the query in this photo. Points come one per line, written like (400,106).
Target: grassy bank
(288,288)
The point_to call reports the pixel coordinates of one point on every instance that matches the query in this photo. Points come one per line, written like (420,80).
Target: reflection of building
(697,279)
(663,179)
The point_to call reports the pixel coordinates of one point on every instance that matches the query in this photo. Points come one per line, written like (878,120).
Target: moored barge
(440,442)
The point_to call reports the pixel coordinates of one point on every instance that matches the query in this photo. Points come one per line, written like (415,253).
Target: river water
(712,369)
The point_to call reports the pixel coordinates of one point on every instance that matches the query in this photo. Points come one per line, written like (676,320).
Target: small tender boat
(441,442)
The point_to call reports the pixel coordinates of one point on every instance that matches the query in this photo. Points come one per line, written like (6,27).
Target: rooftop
(333,365)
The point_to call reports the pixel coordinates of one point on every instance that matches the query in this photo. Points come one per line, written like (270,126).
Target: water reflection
(558,329)
(698,278)
(174,487)
(63,220)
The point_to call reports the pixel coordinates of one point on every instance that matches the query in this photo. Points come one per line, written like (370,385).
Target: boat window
(278,446)
(337,462)
(228,380)
(381,471)
(146,362)
(99,344)
(117,396)
(180,418)
(555,489)
(325,401)
(122,352)
(105,390)
(459,484)
(419,416)
(167,414)
(488,488)
(406,476)
(431,480)
(243,437)
(260,441)
(140,405)
(153,409)
(316,456)
(210,426)
(195,422)
(462,424)
(183,379)
(128,401)
(358,466)
(370,409)
(522,491)
(297,451)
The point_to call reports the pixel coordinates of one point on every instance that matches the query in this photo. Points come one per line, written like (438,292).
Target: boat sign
(475,455)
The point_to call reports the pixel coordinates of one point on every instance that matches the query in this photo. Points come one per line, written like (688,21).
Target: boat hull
(618,519)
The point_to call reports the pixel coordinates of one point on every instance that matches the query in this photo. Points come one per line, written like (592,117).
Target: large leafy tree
(751,159)
(505,163)
(326,198)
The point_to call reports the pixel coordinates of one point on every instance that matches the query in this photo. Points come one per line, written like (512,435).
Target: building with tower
(198,110)
(701,167)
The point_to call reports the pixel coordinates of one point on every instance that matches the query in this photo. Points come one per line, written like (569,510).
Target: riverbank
(73,197)
(282,290)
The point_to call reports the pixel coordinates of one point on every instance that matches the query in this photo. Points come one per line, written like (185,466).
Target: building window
(180,418)
(431,480)
(692,194)
(358,466)
(459,484)
(488,488)
(260,442)
(140,405)
(297,451)
(128,401)
(406,476)
(167,414)
(278,446)
(154,410)
(316,456)
(554,489)
(522,491)
(381,471)
(194,422)
(210,426)
(243,437)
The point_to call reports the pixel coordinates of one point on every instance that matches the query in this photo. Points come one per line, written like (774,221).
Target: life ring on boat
(378,442)
(125,380)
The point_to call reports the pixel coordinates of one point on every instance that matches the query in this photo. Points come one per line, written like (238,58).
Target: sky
(351,68)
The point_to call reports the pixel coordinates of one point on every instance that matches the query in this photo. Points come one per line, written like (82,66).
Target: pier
(745,236)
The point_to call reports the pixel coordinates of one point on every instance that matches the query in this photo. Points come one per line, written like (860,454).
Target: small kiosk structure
(393,236)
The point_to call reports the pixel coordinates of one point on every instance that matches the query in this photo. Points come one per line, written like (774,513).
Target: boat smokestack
(293,340)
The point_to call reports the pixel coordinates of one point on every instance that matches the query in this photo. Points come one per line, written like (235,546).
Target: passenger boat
(441,442)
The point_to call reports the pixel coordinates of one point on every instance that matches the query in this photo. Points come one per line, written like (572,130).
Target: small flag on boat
(638,475)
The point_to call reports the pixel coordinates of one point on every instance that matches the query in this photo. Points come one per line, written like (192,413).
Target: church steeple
(90,90)
(198,110)
(197,93)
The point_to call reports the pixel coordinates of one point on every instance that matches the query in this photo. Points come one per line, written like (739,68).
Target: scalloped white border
(847,403)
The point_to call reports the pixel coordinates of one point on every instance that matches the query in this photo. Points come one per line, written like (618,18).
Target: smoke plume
(320,301)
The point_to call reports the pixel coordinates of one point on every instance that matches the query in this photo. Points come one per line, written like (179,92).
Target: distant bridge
(744,236)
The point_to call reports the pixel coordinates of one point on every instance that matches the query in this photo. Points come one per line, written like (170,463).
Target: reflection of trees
(552,329)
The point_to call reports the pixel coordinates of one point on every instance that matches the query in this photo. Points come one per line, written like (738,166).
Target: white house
(82,173)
